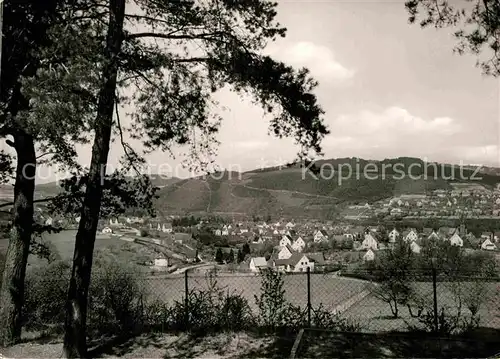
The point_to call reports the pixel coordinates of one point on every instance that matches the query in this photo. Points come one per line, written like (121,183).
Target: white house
(455,240)
(161,262)
(224,232)
(299,244)
(433,236)
(285,252)
(369,242)
(257,263)
(289,225)
(107,230)
(488,245)
(285,241)
(49,221)
(302,264)
(77,219)
(393,235)
(166,228)
(415,247)
(320,236)
(218,232)
(412,236)
(369,256)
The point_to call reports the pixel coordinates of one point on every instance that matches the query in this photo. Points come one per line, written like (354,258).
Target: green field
(375,315)
(65,242)
(328,290)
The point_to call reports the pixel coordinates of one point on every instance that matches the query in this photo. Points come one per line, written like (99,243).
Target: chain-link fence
(365,301)
(426,300)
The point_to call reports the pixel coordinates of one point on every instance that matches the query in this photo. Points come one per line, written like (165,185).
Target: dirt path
(287,191)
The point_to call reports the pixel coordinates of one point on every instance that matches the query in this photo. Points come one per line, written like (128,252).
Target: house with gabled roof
(299,262)
(285,252)
(433,236)
(320,236)
(415,247)
(258,240)
(369,256)
(411,236)
(298,244)
(393,235)
(369,242)
(488,245)
(286,241)
(257,263)
(456,240)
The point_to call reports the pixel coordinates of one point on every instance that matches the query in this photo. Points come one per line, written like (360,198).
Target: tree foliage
(219,256)
(393,271)
(120,193)
(476,23)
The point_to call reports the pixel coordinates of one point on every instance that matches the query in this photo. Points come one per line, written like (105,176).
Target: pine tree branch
(207,35)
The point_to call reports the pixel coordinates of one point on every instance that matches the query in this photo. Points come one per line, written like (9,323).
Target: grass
(65,242)
(375,315)
(327,290)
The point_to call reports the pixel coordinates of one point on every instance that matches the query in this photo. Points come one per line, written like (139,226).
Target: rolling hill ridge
(302,190)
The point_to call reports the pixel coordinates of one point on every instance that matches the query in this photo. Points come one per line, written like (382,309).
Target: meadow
(327,290)
(65,242)
(330,291)
(375,315)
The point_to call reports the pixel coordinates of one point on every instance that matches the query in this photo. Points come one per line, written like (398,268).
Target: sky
(388,88)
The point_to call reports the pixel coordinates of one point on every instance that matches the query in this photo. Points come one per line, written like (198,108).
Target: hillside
(293,191)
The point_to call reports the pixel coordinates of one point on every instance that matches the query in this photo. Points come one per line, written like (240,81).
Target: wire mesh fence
(424,300)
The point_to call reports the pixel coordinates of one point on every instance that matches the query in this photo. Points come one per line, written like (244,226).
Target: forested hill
(311,190)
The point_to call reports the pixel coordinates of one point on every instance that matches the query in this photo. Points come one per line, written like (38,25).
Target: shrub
(275,313)
(211,309)
(115,296)
(45,295)
(271,301)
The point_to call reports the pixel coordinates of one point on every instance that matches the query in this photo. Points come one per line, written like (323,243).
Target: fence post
(309,306)
(186,299)
(434,289)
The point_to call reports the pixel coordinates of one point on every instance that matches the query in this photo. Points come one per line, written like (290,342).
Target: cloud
(394,121)
(319,59)
(395,132)
(484,155)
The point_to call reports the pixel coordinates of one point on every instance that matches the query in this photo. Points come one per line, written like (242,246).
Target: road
(199,265)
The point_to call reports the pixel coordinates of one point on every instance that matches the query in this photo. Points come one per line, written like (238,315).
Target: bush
(45,295)
(275,313)
(212,309)
(115,296)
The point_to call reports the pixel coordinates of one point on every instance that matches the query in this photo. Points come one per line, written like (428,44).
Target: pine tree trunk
(12,290)
(75,345)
